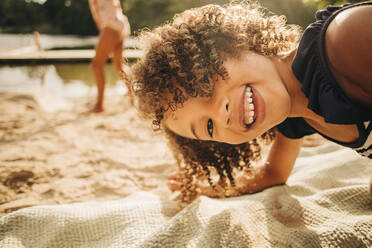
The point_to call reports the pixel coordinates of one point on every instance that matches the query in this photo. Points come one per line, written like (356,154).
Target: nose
(223,113)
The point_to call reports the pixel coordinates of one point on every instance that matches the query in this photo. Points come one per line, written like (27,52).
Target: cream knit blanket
(325,203)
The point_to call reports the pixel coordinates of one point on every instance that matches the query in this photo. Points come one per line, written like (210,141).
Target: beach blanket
(325,203)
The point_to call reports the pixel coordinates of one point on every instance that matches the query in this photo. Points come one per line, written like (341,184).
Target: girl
(114,28)
(220,79)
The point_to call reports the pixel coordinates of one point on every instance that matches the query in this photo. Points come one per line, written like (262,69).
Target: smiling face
(252,100)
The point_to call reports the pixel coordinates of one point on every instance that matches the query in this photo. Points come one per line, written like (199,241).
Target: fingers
(205,190)
(210,192)
(174,181)
(174,176)
(173,185)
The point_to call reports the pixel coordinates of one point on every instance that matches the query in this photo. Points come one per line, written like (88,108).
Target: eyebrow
(193,131)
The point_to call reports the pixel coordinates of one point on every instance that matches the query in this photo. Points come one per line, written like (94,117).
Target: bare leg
(118,58)
(37,41)
(107,41)
(118,62)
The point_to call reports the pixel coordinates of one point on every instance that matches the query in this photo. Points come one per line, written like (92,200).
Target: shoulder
(348,42)
(351,27)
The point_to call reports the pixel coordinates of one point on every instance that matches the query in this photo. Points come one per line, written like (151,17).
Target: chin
(281,114)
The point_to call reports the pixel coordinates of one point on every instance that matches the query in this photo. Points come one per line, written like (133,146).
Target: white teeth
(248,106)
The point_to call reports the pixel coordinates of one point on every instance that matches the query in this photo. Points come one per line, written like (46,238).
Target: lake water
(68,80)
(13,41)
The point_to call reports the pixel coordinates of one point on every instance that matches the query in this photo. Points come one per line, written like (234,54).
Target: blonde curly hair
(182,59)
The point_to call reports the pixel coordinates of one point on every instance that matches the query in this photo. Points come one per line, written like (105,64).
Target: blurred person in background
(113,29)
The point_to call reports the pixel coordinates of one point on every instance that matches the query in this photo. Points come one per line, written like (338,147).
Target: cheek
(171,122)
(280,108)
(277,101)
(231,137)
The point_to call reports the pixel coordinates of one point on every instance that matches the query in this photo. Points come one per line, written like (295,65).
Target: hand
(245,183)
(253,181)
(174,184)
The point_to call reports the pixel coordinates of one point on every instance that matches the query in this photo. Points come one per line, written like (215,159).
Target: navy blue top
(325,96)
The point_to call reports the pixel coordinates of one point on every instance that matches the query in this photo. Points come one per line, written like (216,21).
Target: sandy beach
(67,155)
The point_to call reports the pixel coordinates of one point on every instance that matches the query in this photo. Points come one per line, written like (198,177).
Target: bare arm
(278,166)
(275,171)
(93,10)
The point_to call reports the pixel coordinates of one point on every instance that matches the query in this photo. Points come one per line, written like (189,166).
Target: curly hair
(182,59)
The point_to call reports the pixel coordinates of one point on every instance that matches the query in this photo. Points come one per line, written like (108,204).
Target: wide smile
(252,108)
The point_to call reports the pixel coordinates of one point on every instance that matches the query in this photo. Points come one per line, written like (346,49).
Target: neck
(297,97)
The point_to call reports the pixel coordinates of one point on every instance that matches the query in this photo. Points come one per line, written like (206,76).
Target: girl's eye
(210,127)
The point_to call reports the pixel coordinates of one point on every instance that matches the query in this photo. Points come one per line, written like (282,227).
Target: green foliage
(20,15)
(295,11)
(321,4)
(145,13)
(148,14)
(54,16)
(70,17)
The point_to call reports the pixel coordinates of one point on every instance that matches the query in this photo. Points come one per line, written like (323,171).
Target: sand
(69,155)
(63,154)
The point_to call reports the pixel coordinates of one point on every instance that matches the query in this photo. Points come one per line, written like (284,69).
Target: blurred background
(73,16)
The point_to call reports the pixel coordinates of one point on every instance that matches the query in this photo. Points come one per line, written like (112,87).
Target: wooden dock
(30,55)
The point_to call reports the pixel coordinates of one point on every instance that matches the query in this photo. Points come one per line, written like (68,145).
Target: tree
(19,15)
(70,17)
(295,10)
(321,4)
